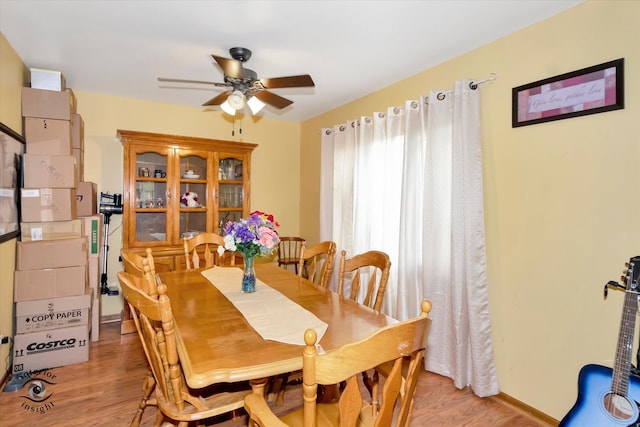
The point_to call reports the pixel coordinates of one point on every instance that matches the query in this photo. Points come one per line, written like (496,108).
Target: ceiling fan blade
(162,79)
(217,100)
(304,80)
(230,67)
(272,99)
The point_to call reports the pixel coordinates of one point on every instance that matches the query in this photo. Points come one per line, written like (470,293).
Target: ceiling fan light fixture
(228,108)
(236,100)
(255,105)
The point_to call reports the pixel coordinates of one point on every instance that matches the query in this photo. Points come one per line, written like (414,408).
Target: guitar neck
(622,363)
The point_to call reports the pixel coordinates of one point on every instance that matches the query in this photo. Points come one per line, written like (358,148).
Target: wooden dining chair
(143,267)
(372,264)
(322,254)
(289,251)
(155,325)
(390,345)
(206,244)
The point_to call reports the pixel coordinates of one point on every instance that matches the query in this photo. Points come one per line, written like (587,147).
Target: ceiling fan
(244,86)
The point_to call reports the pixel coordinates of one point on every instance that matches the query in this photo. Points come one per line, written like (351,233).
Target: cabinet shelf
(149,179)
(150,210)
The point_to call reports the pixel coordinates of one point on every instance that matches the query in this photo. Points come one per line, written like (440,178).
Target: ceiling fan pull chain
(233,131)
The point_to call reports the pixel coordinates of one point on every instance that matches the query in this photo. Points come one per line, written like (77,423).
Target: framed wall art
(11,150)
(590,90)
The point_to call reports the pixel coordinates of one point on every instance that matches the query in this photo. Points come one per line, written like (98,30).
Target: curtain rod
(473,85)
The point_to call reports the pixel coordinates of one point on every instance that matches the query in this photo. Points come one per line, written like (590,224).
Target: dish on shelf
(191,176)
(182,205)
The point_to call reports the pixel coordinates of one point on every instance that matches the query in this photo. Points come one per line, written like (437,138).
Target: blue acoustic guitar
(610,397)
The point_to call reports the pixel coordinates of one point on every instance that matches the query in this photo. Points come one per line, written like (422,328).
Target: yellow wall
(12,73)
(561,198)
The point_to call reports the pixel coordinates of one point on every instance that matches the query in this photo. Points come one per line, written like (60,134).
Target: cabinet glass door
(231,197)
(195,206)
(151,197)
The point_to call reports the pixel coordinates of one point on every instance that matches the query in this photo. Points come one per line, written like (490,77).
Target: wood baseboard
(127,327)
(515,403)
(110,318)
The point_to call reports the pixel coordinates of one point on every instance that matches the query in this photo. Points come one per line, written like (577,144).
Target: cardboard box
(47,80)
(94,274)
(31,231)
(77,131)
(51,254)
(29,285)
(48,104)
(51,348)
(50,171)
(78,154)
(53,313)
(48,136)
(93,231)
(47,204)
(96,314)
(87,198)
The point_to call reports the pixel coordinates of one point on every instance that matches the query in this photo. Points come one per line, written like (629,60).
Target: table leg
(259,385)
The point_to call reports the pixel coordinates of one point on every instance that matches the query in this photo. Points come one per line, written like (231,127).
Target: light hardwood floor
(105,392)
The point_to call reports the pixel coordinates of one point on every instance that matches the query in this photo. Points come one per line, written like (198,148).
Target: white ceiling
(350,48)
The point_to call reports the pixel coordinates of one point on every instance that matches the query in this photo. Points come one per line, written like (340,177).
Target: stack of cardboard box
(56,289)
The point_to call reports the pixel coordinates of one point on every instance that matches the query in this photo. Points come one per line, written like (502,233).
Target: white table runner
(273,315)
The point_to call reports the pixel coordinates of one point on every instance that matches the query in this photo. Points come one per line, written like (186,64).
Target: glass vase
(249,277)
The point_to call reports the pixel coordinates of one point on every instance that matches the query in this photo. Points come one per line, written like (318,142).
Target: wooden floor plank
(104,392)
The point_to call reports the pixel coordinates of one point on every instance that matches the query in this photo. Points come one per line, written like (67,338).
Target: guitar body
(596,406)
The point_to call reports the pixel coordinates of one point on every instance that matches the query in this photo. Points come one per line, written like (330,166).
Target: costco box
(87,198)
(52,313)
(51,230)
(47,136)
(50,171)
(93,272)
(51,254)
(29,285)
(93,232)
(77,132)
(47,80)
(48,104)
(51,348)
(47,204)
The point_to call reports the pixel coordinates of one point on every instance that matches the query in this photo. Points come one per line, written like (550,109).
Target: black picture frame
(590,90)
(11,152)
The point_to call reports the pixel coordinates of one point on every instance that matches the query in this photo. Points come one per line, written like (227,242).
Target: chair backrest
(372,264)
(141,266)
(154,322)
(322,254)
(389,346)
(289,251)
(210,242)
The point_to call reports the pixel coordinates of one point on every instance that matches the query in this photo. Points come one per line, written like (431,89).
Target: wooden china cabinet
(177,186)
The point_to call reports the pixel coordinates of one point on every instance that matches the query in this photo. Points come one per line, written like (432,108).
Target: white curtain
(409,182)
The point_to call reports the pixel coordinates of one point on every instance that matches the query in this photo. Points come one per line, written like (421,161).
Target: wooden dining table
(216,344)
